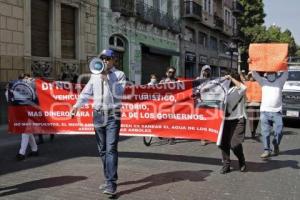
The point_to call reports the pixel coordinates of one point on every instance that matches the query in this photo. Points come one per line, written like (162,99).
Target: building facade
(209,36)
(144,33)
(46,38)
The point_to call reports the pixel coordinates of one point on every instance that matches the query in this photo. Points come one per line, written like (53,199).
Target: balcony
(125,7)
(149,14)
(192,10)
(237,8)
(219,23)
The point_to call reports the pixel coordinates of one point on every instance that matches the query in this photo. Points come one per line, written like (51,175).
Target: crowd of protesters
(247,101)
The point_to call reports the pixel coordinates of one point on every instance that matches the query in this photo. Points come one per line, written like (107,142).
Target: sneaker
(110,191)
(203,142)
(33,154)
(243,167)
(103,186)
(266,154)
(225,169)
(20,157)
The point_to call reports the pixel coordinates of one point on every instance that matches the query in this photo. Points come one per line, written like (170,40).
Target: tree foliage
(251,24)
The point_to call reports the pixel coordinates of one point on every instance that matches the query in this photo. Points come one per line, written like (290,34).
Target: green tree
(253,31)
(250,23)
(298,51)
(274,34)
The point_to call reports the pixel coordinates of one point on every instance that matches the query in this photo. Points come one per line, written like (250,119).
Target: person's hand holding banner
(73,112)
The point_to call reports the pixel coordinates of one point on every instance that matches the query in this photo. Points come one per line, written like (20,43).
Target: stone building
(145,35)
(48,38)
(209,35)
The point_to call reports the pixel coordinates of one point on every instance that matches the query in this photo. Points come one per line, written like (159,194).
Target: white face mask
(271,77)
(153,80)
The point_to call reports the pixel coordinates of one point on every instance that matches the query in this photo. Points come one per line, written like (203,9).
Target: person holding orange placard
(253,97)
(270,109)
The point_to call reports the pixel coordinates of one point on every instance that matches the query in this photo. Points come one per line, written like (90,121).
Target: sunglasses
(171,72)
(105,58)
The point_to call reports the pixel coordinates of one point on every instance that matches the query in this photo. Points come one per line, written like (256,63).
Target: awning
(159,50)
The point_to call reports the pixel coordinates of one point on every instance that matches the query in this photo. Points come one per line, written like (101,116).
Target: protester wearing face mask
(270,109)
(170,77)
(205,74)
(153,79)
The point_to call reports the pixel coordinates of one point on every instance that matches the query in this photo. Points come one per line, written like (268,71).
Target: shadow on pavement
(165,178)
(62,148)
(293,152)
(263,166)
(42,183)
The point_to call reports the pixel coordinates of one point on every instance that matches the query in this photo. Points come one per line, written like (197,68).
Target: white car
(291,93)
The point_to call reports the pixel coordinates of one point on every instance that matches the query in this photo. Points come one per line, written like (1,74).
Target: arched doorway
(118,44)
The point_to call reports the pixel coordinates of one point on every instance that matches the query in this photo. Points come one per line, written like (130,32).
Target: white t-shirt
(271,100)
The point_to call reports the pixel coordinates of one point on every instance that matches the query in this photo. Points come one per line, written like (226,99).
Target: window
(203,39)
(208,6)
(68,32)
(189,35)
(213,43)
(227,17)
(223,46)
(40,16)
(117,43)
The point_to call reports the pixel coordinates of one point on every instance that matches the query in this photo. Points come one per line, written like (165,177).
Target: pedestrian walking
(234,125)
(253,101)
(205,74)
(26,138)
(170,77)
(270,109)
(106,89)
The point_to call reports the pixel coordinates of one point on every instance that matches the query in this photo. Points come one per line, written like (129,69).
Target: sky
(285,14)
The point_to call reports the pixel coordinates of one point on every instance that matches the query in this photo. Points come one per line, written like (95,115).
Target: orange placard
(268,57)
(253,92)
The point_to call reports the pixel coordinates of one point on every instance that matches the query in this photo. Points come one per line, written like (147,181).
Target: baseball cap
(107,53)
(206,67)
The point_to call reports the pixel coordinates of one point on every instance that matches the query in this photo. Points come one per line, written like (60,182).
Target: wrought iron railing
(155,16)
(192,9)
(237,7)
(125,7)
(41,66)
(219,22)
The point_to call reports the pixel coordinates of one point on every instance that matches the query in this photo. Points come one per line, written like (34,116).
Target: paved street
(69,168)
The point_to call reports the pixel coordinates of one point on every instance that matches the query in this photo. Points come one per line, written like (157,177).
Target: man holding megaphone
(106,87)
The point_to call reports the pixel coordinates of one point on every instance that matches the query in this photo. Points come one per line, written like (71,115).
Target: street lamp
(231,48)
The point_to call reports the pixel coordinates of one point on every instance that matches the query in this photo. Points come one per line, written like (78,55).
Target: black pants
(232,138)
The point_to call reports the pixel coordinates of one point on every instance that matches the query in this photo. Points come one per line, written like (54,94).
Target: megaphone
(97,66)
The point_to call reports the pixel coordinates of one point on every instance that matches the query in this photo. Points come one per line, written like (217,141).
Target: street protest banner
(188,109)
(268,57)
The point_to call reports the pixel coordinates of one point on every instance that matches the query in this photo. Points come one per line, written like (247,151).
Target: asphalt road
(69,168)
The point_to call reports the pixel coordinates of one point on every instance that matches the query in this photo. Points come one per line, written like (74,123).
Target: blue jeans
(107,128)
(267,120)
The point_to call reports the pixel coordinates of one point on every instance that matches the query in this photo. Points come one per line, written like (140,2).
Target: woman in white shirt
(234,125)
